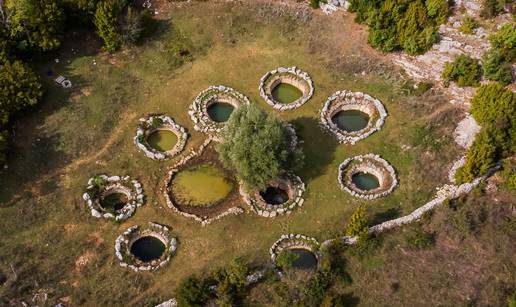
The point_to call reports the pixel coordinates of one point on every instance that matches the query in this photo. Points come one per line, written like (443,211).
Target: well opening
(365,181)
(351,120)
(219,111)
(148,248)
(162,140)
(274,195)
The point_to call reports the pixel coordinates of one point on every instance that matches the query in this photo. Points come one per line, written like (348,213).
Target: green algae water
(148,248)
(219,112)
(286,93)
(365,181)
(114,202)
(351,120)
(274,196)
(203,185)
(162,140)
(305,259)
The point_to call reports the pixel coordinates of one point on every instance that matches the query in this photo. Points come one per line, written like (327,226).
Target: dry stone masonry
(153,123)
(370,164)
(294,241)
(292,76)
(292,185)
(214,94)
(102,186)
(345,101)
(125,240)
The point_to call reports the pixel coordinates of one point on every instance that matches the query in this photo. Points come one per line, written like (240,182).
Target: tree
(464,70)
(106,22)
(491,103)
(496,68)
(258,146)
(193,292)
(358,225)
(20,88)
(36,24)
(480,158)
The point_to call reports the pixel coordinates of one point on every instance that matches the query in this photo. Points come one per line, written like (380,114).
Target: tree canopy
(258,146)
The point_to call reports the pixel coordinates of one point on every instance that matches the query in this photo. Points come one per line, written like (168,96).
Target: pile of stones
(125,240)
(214,94)
(292,241)
(292,76)
(167,190)
(292,185)
(371,164)
(153,123)
(96,192)
(346,100)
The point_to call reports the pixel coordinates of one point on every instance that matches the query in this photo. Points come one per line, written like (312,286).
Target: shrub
(315,4)
(358,225)
(492,103)
(468,25)
(480,158)
(496,68)
(257,145)
(286,259)
(505,41)
(420,240)
(464,70)
(106,22)
(231,281)
(509,174)
(193,292)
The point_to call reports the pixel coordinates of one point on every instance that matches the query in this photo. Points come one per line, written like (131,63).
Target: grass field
(51,244)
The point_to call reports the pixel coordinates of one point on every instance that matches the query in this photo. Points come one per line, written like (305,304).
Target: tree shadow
(386,215)
(318,146)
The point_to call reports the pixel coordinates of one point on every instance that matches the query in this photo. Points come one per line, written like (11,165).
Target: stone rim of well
(369,164)
(203,219)
(95,194)
(358,101)
(295,241)
(291,184)
(153,123)
(289,75)
(124,242)
(198,110)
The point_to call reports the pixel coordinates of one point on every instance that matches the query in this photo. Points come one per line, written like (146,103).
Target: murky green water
(351,120)
(286,93)
(162,140)
(305,259)
(147,248)
(202,185)
(365,181)
(219,112)
(114,202)
(274,196)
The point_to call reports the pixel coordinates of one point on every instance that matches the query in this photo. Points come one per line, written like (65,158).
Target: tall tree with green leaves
(106,22)
(258,146)
(35,24)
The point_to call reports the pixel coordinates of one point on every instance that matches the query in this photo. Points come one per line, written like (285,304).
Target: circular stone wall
(133,238)
(204,120)
(292,77)
(101,187)
(346,101)
(293,188)
(293,242)
(155,123)
(370,165)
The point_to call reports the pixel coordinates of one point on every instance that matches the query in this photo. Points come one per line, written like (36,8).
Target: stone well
(370,164)
(99,187)
(295,241)
(345,101)
(153,123)
(292,76)
(198,110)
(124,242)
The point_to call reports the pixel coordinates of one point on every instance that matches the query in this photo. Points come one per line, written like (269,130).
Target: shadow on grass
(386,215)
(318,147)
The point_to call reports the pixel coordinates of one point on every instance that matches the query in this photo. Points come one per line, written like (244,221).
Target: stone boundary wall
(127,238)
(292,76)
(146,128)
(198,110)
(296,188)
(369,163)
(131,188)
(291,241)
(166,190)
(347,100)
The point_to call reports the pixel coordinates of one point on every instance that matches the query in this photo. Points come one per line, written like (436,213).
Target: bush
(193,292)
(491,103)
(286,259)
(505,41)
(468,25)
(358,225)
(464,70)
(509,174)
(106,22)
(496,68)
(420,240)
(480,158)
(315,4)
(231,281)
(257,145)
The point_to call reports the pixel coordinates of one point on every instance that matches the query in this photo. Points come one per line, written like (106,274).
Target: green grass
(202,185)
(47,227)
